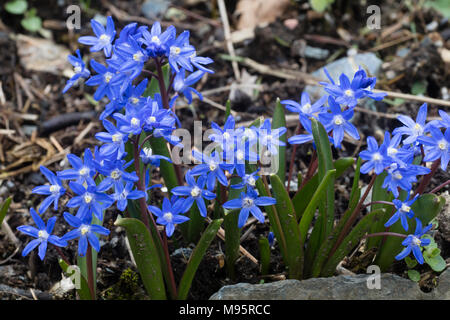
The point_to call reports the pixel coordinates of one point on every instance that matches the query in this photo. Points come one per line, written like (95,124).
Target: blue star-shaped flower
(170,215)
(415,242)
(103,38)
(54,191)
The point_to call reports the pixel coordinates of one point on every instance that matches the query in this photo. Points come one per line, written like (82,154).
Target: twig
(226,31)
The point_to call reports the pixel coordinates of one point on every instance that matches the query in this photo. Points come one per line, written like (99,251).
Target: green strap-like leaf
(146,256)
(425,208)
(264,254)
(286,214)
(196,257)
(301,198)
(4,209)
(350,241)
(308,215)
(278,121)
(159,146)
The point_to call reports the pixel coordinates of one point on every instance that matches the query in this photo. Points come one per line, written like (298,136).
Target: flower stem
(440,186)
(383,234)
(90,272)
(426,179)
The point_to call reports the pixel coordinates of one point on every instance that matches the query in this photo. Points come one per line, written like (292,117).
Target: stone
(341,287)
(443,218)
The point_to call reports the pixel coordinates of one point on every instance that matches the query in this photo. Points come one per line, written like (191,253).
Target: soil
(33,100)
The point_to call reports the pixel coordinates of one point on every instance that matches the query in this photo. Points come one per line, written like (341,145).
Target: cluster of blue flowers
(395,156)
(103,177)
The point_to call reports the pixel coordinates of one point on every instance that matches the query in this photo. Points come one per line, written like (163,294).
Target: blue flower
(247,180)
(195,192)
(402,156)
(155,116)
(179,53)
(437,146)
(377,158)
(42,234)
(270,138)
(213,167)
(103,38)
(402,177)
(133,55)
(115,140)
(148,157)
(81,172)
(106,80)
(339,122)
(131,122)
(170,215)
(249,202)
(305,109)
(225,137)
(85,232)
(302,138)
(54,190)
(199,62)
(79,67)
(443,123)
(115,174)
(156,42)
(123,193)
(403,212)
(89,200)
(415,242)
(182,84)
(413,129)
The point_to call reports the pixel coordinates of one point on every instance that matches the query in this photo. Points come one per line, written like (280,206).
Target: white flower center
(377,157)
(168,216)
(398,176)
(405,208)
(104,39)
(349,92)
(115,174)
(54,188)
(240,155)
(156,40)
(77,68)
(247,202)
(442,145)
(83,171)
(416,241)
(108,76)
(175,50)
(135,122)
(116,137)
(84,229)
(151,119)
(148,151)
(226,135)
(212,167)
(251,181)
(418,129)
(306,108)
(137,56)
(135,100)
(392,151)
(42,234)
(88,198)
(338,120)
(195,192)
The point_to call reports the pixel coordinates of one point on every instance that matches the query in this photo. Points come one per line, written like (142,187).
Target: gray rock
(336,288)
(443,218)
(348,65)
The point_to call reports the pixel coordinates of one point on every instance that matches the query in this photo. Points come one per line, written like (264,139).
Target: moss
(127,288)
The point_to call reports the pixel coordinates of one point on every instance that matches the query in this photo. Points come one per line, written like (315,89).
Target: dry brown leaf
(255,12)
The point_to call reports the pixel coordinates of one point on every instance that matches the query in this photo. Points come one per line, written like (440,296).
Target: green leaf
(278,121)
(146,256)
(410,263)
(419,87)
(195,224)
(437,263)
(83,291)
(426,208)
(196,257)
(264,254)
(324,223)
(308,215)
(288,222)
(320,5)
(31,22)
(350,241)
(4,209)
(159,146)
(414,275)
(16,6)
(302,197)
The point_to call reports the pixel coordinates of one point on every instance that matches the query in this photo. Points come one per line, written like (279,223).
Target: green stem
(90,272)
